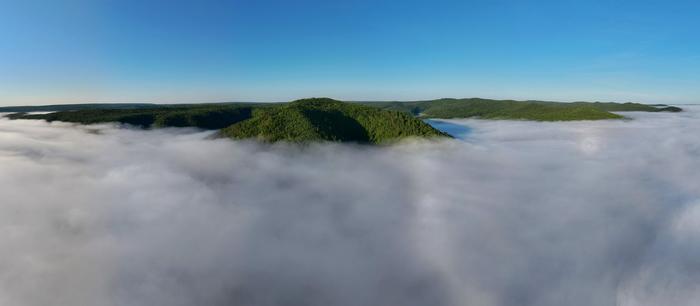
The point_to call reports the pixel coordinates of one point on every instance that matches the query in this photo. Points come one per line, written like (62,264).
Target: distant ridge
(307,120)
(324,119)
(522,110)
(73,107)
(439,108)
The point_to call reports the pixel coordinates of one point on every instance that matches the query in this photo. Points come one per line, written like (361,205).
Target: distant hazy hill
(509,109)
(630,107)
(71,107)
(205,116)
(299,121)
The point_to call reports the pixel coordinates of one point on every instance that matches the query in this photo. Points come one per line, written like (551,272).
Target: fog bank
(519,213)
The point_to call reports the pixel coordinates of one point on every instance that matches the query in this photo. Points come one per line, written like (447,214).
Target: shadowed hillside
(205,117)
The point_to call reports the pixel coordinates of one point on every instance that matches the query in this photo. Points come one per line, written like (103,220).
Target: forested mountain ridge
(324,119)
(327,119)
(522,110)
(315,119)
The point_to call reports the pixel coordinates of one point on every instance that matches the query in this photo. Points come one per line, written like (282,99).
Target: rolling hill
(324,119)
(330,120)
(316,119)
(519,110)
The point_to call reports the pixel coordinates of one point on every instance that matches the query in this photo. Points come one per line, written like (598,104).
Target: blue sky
(73,51)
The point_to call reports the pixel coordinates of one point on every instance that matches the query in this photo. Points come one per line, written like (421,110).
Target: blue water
(456,130)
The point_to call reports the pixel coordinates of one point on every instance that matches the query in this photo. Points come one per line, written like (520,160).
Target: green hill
(205,117)
(510,109)
(323,119)
(199,114)
(330,120)
(630,107)
(318,119)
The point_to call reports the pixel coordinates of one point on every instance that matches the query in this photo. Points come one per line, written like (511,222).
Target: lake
(457,130)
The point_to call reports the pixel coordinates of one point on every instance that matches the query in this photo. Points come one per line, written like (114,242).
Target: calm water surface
(457,130)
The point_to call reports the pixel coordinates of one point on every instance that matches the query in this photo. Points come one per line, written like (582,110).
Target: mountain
(330,120)
(316,119)
(522,110)
(323,119)
(441,108)
(205,117)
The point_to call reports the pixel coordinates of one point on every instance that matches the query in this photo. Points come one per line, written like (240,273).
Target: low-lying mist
(518,213)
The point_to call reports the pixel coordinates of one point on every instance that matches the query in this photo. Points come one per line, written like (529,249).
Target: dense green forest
(510,109)
(300,121)
(142,114)
(206,117)
(630,107)
(441,108)
(327,119)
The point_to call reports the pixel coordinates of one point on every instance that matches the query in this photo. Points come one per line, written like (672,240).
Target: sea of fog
(515,213)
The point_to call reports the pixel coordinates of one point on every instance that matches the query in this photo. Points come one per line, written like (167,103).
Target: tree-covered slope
(330,120)
(513,110)
(317,119)
(629,107)
(161,115)
(509,109)
(205,117)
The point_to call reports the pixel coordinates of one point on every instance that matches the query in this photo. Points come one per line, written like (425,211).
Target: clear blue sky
(72,51)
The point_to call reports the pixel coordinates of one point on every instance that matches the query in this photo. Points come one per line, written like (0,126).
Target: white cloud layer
(520,213)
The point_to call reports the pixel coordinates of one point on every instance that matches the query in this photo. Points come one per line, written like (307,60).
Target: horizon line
(342,100)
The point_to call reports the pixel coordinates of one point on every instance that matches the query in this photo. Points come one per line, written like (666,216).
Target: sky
(77,51)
